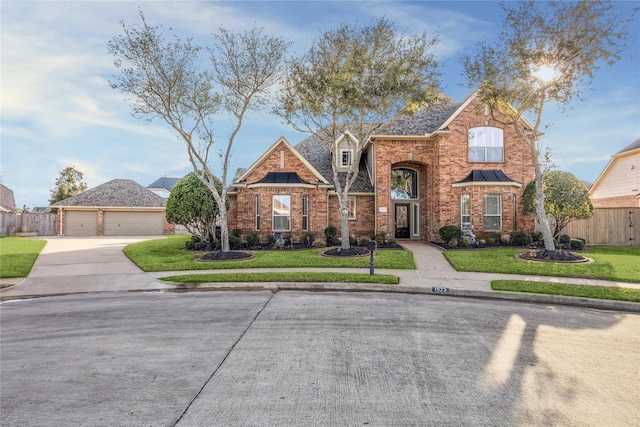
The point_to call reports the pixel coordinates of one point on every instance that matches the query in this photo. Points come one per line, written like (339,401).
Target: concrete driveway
(85,264)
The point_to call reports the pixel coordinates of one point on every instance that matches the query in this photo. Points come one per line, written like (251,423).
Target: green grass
(297,277)
(610,263)
(169,255)
(17,255)
(582,291)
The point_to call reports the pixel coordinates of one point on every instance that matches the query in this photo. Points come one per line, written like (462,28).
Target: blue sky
(58,110)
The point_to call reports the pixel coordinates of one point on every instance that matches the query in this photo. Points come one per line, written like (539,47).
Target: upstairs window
(346,157)
(486,144)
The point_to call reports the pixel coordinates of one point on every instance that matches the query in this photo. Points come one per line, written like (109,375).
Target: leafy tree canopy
(565,199)
(360,76)
(191,204)
(69,183)
(547,51)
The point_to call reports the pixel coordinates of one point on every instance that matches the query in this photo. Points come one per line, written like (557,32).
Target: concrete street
(315,359)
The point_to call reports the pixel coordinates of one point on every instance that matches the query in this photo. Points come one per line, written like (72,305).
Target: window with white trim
(486,144)
(346,157)
(465,212)
(281,208)
(305,213)
(258,212)
(351,207)
(492,212)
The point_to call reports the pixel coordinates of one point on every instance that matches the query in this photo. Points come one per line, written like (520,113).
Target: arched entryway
(405,198)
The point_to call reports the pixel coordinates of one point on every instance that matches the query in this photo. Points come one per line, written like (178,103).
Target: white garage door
(116,223)
(81,223)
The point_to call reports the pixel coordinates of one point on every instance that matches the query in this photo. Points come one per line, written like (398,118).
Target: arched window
(486,144)
(404,184)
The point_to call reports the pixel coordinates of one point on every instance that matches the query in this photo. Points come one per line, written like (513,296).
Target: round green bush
(450,232)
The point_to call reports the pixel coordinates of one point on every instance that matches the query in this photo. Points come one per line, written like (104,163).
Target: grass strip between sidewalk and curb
(299,277)
(169,255)
(581,291)
(17,255)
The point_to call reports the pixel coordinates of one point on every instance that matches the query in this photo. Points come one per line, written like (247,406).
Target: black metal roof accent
(281,178)
(491,175)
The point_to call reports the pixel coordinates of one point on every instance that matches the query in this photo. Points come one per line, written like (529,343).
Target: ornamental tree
(565,199)
(166,79)
(546,52)
(355,78)
(191,204)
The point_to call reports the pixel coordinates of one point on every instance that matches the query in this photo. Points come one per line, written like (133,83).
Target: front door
(402,221)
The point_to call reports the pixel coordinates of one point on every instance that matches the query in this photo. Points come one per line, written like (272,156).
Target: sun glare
(546,73)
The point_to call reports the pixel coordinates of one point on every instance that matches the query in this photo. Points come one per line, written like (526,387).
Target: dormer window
(346,157)
(486,144)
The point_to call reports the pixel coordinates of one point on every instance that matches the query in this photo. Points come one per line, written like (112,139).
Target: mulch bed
(352,251)
(226,256)
(558,255)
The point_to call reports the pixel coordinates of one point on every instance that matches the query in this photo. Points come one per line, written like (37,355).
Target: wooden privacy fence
(40,224)
(608,226)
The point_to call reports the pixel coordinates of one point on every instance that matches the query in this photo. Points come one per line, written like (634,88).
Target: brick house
(447,165)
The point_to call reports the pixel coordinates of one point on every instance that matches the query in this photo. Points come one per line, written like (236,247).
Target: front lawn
(302,276)
(17,255)
(610,263)
(581,291)
(169,255)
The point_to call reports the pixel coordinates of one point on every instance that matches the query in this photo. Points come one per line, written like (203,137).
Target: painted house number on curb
(440,290)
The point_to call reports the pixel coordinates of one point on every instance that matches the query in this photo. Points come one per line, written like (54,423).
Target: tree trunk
(543,220)
(224,230)
(344,228)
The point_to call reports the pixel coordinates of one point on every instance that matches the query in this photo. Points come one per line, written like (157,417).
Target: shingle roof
(164,182)
(423,122)
(115,193)
(7,201)
(635,144)
(319,156)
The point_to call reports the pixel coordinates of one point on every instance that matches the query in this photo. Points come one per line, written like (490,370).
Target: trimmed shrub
(236,232)
(577,244)
(491,241)
(271,239)
(253,239)
(522,239)
(364,241)
(330,234)
(235,242)
(564,239)
(450,232)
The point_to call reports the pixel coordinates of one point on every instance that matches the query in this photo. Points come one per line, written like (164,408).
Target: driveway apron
(84,264)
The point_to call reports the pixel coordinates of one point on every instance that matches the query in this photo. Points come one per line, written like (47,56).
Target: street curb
(439,291)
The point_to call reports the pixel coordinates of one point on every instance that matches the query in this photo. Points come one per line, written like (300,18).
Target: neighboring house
(119,207)
(618,186)
(163,186)
(447,165)
(7,201)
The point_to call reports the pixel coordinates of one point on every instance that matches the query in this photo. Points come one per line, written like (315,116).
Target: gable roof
(115,193)
(164,182)
(281,140)
(633,146)
(7,200)
(626,151)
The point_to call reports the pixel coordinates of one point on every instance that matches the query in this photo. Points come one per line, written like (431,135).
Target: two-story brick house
(447,165)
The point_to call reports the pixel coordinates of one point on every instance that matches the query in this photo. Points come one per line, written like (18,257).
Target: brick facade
(439,160)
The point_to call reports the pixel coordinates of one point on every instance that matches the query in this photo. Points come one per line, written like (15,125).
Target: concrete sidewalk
(98,264)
